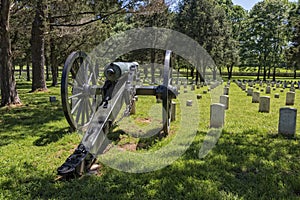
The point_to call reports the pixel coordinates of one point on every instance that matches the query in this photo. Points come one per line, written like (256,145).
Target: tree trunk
(192,73)
(28,69)
(229,70)
(274,74)
(187,74)
(258,72)
(20,71)
(265,73)
(295,70)
(37,49)
(9,94)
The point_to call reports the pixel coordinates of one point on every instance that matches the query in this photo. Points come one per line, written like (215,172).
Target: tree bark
(37,48)
(229,70)
(258,72)
(274,73)
(28,69)
(9,94)
(265,73)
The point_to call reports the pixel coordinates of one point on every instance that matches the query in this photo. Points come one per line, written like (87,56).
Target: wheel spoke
(90,78)
(83,113)
(87,109)
(75,95)
(76,105)
(90,105)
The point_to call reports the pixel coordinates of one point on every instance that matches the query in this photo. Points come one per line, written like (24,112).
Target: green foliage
(264,37)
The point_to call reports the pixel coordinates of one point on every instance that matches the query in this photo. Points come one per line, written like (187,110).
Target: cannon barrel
(116,70)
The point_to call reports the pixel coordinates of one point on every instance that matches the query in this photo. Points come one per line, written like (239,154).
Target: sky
(247,4)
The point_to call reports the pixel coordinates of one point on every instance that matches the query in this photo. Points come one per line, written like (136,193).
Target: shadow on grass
(51,137)
(30,120)
(246,165)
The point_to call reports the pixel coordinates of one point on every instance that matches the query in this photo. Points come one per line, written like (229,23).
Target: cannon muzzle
(116,70)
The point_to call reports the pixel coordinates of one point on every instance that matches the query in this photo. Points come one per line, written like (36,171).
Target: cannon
(91,105)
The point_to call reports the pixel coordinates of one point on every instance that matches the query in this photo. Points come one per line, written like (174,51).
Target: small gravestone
(268,90)
(192,87)
(158,100)
(199,96)
(189,103)
(292,89)
(255,97)
(52,99)
(264,104)
(277,85)
(276,96)
(217,115)
(226,90)
(287,121)
(243,87)
(290,98)
(249,91)
(173,109)
(224,99)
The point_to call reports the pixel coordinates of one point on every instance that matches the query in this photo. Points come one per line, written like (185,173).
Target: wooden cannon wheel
(166,99)
(78,90)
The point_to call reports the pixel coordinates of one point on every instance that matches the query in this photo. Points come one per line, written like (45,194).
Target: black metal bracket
(77,163)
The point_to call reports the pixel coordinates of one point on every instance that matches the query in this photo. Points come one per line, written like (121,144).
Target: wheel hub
(86,89)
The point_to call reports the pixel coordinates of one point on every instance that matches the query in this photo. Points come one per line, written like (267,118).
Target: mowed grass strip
(250,161)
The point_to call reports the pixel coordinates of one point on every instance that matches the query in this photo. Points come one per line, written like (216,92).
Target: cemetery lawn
(250,160)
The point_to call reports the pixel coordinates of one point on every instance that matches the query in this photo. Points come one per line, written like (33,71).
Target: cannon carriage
(91,103)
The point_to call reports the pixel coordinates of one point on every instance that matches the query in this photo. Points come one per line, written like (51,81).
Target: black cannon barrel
(116,70)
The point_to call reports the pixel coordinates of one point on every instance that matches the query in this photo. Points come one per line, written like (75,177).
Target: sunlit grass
(250,160)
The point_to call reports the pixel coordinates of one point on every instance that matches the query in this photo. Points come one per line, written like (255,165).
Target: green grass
(250,161)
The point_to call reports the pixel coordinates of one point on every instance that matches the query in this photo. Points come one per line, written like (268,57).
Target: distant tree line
(39,33)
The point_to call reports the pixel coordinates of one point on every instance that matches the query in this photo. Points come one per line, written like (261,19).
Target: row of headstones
(265,100)
(287,116)
(268,89)
(256,98)
(278,84)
